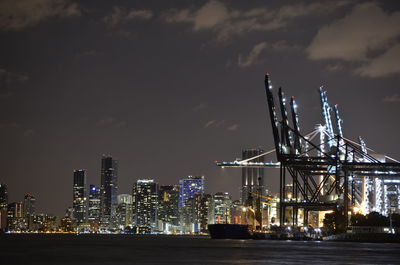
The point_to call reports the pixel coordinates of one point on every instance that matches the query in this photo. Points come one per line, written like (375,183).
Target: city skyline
(168,88)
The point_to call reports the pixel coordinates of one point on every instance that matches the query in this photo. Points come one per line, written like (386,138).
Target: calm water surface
(121,249)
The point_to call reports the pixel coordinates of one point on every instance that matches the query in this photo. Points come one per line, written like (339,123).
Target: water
(121,249)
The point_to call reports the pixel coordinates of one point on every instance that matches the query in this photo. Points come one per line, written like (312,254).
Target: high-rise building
(3,207)
(29,205)
(189,187)
(197,214)
(168,205)
(29,210)
(145,195)
(109,189)
(15,220)
(206,212)
(124,210)
(79,196)
(252,178)
(94,204)
(222,205)
(3,196)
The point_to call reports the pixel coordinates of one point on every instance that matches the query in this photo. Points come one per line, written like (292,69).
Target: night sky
(168,87)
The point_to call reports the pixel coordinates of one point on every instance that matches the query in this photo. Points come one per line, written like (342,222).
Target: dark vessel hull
(229,231)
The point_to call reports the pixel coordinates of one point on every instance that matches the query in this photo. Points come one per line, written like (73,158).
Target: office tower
(79,196)
(45,223)
(145,195)
(3,196)
(29,206)
(222,205)
(108,189)
(252,178)
(15,220)
(189,187)
(29,210)
(3,207)
(94,204)
(168,205)
(124,210)
(206,212)
(197,214)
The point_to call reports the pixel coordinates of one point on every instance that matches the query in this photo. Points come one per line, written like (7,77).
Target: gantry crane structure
(329,172)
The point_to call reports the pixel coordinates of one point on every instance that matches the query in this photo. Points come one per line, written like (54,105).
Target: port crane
(329,172)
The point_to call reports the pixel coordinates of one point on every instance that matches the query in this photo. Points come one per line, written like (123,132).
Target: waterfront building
(3,207)
(253,187)
(237,213)
(252,178)
(3,196)
(124,210)
(108,190)
(189,187)
(189,215)
(46,223)
(168,207)
(206,212)
(29,205)
(222,204)
(94,204)
(67,225)
(15,218)
(197,214)
(145,196)
(29,210)
(79,196)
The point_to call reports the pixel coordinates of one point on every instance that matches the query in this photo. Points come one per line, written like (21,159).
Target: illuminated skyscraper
(3,196)
(222,204)
(145,195)
(94,204)
(29,210)
(29,206)
(168,203)
(3,207)
(15,220)
(109,189)
(197,213)
(252,178)
(79,196)
(124,210)
(189,187)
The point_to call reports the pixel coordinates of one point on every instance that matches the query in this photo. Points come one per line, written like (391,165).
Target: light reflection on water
(123,249)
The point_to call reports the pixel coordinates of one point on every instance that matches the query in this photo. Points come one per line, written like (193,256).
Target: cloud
(245,61)
(368,36)
(9,76)
(334,67)
(111,122)
(214,124)
(252,57)
(392,99)
(207,16)
(385,64)
(208,124)
(227,22)
(119,15)
(367,28)
(140,14)
(21,14)
(233,127)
